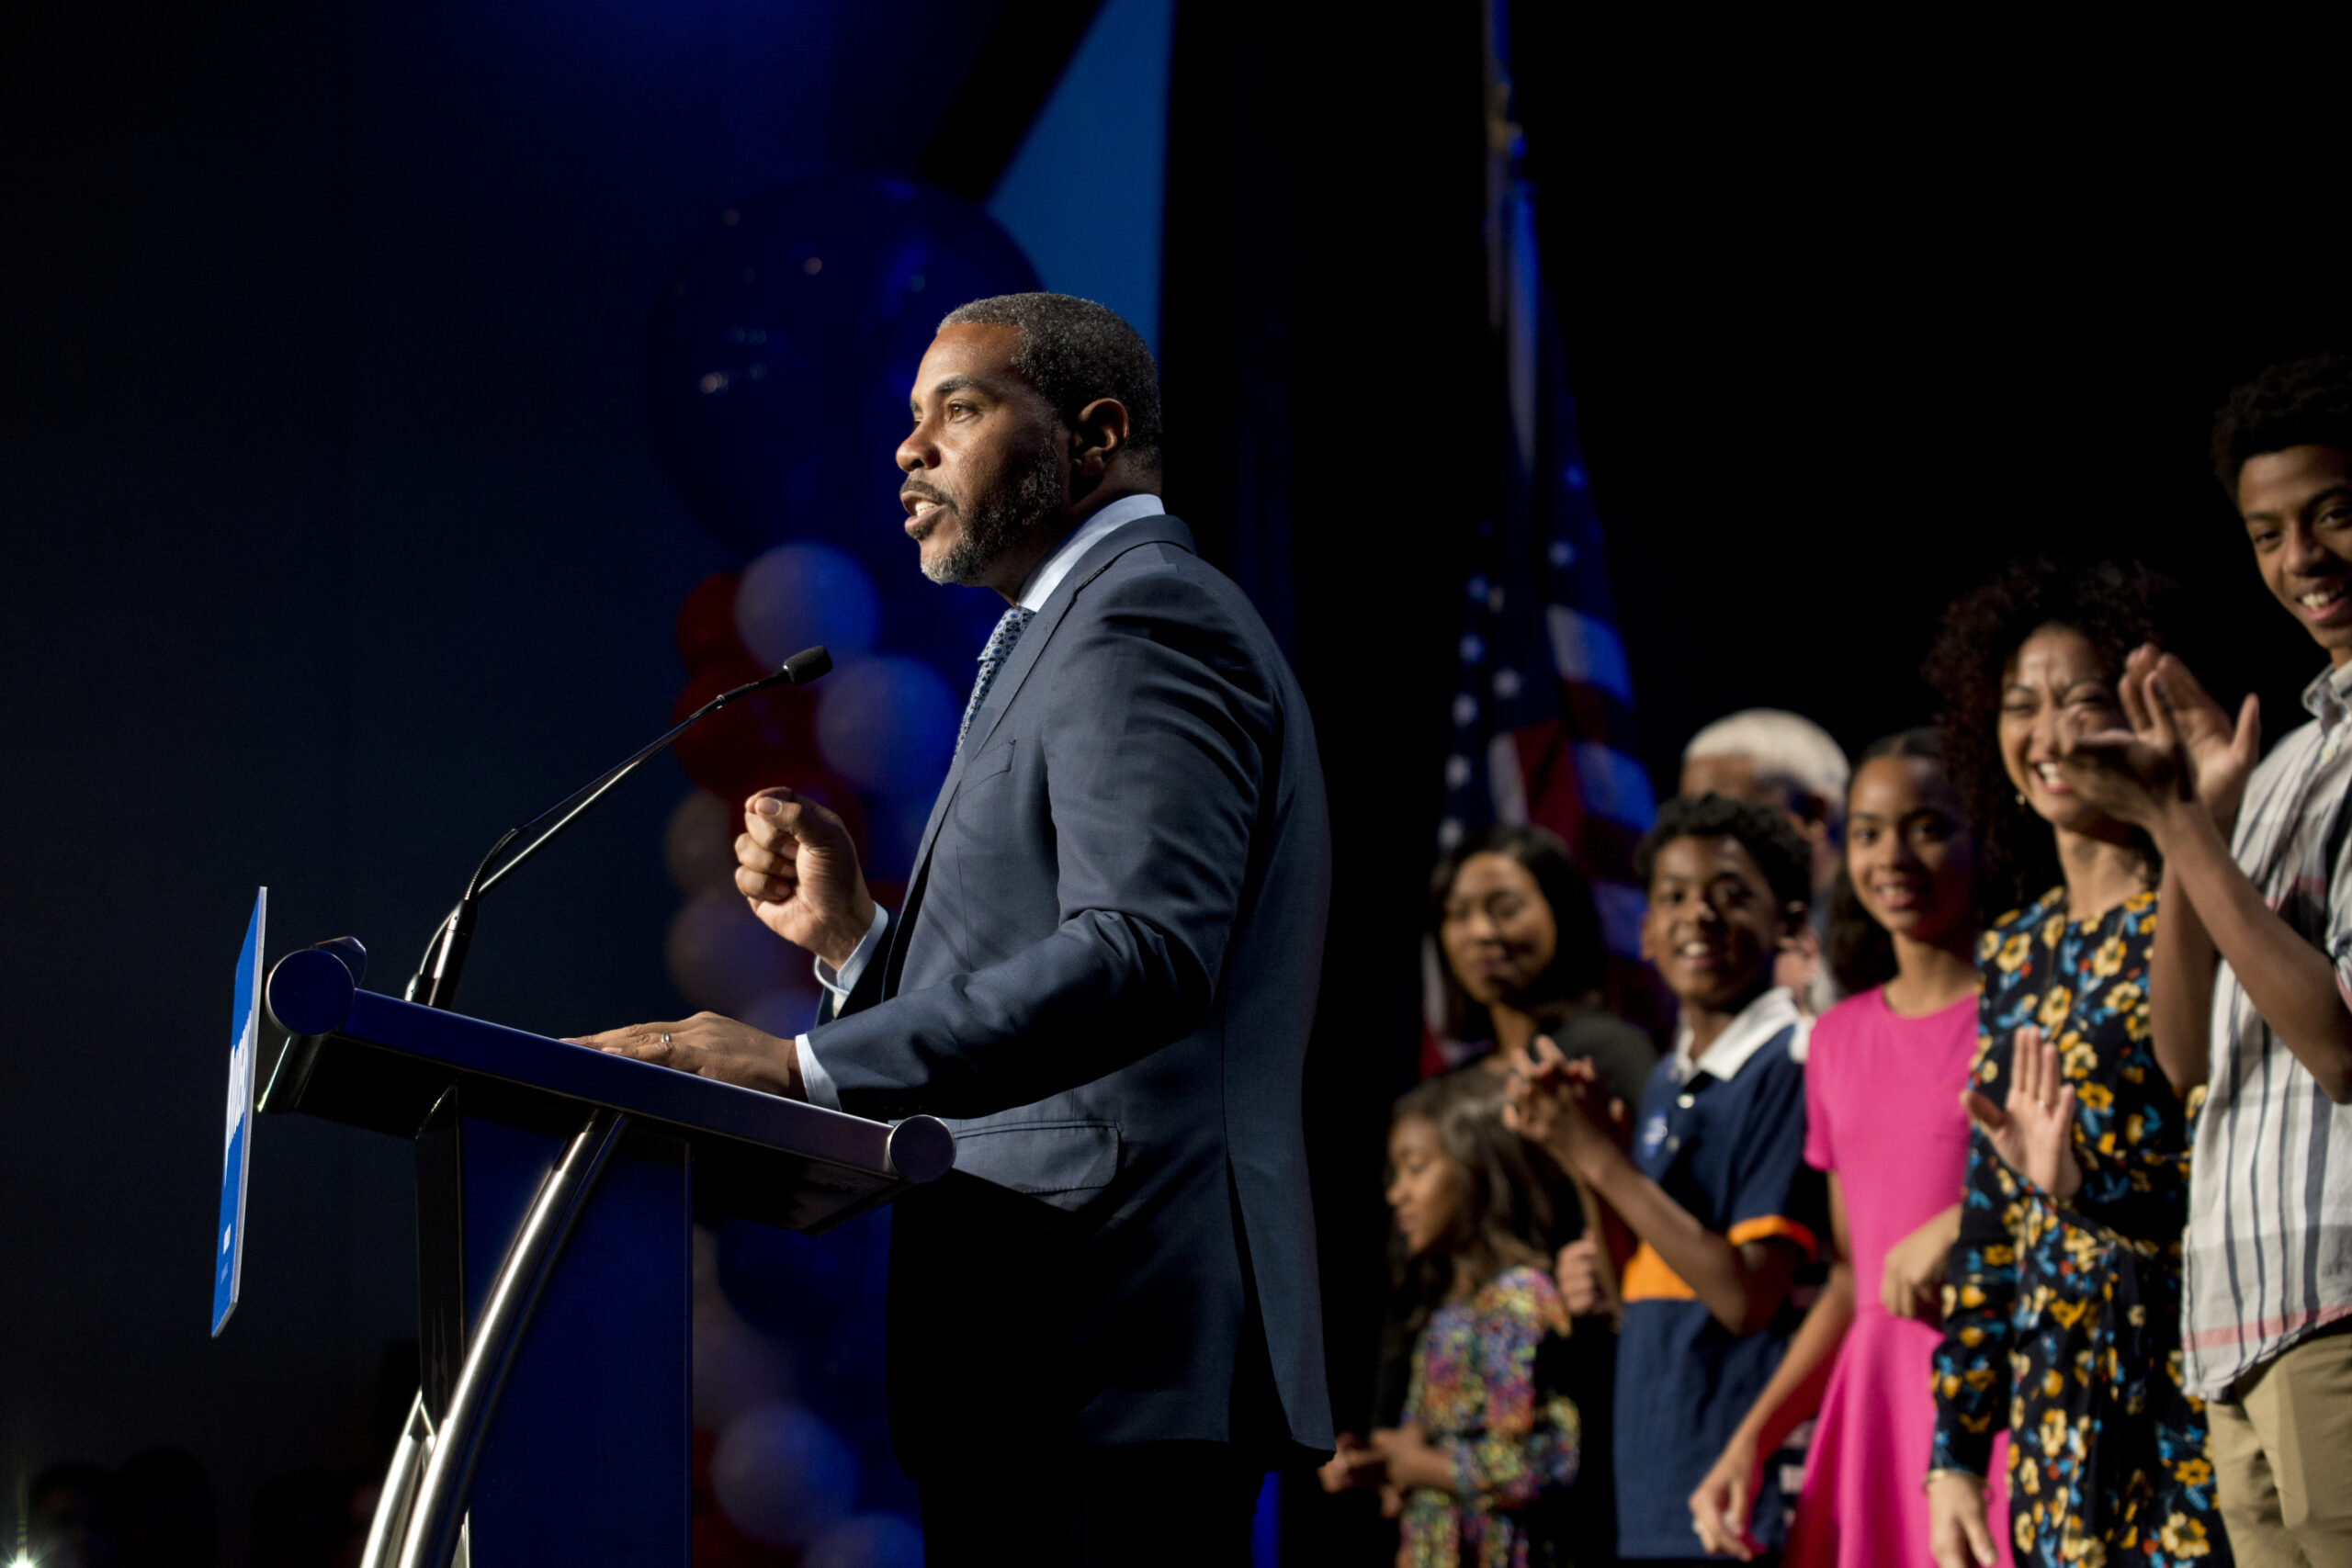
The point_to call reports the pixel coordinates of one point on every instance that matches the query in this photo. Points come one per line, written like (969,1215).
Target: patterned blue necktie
(1008,631)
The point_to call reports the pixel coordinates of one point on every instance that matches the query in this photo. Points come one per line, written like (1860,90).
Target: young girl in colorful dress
(1882,1121)
(1488,1443)
(2062,1302)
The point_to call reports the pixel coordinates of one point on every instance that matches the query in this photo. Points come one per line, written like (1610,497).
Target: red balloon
(758,743)
(706,630)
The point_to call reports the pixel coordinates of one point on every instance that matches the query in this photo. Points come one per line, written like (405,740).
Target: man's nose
(917,452)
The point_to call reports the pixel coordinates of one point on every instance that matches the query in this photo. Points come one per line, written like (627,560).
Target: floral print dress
(1484,1391)
(2062,1320)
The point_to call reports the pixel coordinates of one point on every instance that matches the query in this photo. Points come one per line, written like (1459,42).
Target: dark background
(331,540)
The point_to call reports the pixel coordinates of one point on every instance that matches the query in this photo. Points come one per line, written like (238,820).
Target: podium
(555,1188)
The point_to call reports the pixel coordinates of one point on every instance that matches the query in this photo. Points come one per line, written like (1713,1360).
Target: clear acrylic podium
(555,1186)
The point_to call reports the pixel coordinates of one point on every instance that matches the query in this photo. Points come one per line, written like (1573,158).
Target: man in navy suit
(1104,1325)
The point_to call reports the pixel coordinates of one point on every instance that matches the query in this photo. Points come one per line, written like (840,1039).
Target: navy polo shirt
(1725,1139)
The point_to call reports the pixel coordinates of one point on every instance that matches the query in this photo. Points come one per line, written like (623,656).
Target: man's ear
(1097,435)
(1794,916)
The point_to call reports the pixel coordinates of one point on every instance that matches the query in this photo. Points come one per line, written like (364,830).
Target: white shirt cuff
(817,1085)
(841,984)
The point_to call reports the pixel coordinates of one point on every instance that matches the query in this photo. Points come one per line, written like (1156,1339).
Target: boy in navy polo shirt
(1715,1187)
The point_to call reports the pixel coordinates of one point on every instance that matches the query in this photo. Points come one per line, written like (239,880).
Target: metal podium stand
(555,1188)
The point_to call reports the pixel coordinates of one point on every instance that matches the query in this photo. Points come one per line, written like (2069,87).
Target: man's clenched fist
(793,861)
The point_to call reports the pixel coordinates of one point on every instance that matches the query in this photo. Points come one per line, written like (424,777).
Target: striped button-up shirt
(2270,1191)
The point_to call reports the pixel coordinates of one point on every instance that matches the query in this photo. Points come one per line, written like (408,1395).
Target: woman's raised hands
(2033,1134)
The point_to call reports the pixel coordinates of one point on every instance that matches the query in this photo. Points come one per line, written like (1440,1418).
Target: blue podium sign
(244,1040)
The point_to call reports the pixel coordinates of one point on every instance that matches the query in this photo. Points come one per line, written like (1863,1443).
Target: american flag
(1542,719)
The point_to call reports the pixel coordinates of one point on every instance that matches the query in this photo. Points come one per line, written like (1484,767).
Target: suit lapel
(1160,529)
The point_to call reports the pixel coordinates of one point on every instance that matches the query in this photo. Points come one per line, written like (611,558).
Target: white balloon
(720,957)
(887,724)
(698,846)
(782,1476)
(798,596)
(869,1541)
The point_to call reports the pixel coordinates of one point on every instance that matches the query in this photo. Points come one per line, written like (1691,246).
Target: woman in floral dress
(2062,1301)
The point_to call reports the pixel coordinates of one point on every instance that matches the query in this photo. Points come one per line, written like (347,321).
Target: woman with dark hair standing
(2062,1301)
(1520,941)
(1521,954)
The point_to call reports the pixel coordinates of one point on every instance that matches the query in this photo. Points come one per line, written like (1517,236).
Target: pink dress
(1883,1113)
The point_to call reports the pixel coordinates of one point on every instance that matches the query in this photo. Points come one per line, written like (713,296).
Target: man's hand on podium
(711,1047)
(796,865)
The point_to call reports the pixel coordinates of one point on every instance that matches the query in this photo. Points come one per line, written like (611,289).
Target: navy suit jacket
(1103,980)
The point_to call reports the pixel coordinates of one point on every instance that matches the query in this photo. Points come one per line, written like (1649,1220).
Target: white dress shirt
(815,1082)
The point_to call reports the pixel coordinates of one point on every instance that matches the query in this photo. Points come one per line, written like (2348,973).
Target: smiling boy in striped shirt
(2267,1329)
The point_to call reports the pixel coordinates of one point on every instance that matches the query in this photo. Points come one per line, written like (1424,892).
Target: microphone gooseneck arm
(434,983)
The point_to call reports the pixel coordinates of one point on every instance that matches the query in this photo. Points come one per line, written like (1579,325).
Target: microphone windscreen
(807,665)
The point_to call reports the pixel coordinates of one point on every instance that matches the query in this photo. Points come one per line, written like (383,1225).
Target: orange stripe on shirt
(1647,1279)
(1770,1227)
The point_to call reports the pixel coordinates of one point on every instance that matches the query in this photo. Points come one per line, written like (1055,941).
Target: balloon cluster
(778,362)
(791,1461)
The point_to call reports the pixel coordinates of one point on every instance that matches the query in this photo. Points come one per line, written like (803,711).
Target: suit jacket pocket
(996,759)
(1041,1158)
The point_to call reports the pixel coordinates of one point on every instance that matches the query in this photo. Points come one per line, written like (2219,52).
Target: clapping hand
(2033,1134)
(1561,1105)
(2179,745)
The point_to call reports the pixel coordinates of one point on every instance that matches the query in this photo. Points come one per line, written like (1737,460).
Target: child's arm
(2180,987)
(1719,1507)
(2168,778)
(1741,1283)
(2293,984)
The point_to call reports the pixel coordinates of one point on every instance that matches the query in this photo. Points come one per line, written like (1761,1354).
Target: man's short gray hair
(1075,350)
(1784,746)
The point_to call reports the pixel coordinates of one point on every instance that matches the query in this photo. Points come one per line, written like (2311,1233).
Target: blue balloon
(779,355)
(795,596)
(887,724)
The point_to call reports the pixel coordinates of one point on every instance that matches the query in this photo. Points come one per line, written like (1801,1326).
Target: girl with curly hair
(2062,1299)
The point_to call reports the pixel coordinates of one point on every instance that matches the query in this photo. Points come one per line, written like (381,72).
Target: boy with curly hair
(1716,1187)
(2257,872)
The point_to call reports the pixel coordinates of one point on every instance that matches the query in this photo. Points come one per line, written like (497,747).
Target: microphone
(435,981)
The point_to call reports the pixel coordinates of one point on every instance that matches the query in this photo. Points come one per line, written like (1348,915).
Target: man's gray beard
(1004,520)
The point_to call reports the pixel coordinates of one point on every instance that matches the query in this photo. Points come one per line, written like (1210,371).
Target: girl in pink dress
(1883,1119)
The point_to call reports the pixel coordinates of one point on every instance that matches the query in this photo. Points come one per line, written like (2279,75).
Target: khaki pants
(2282,1458)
